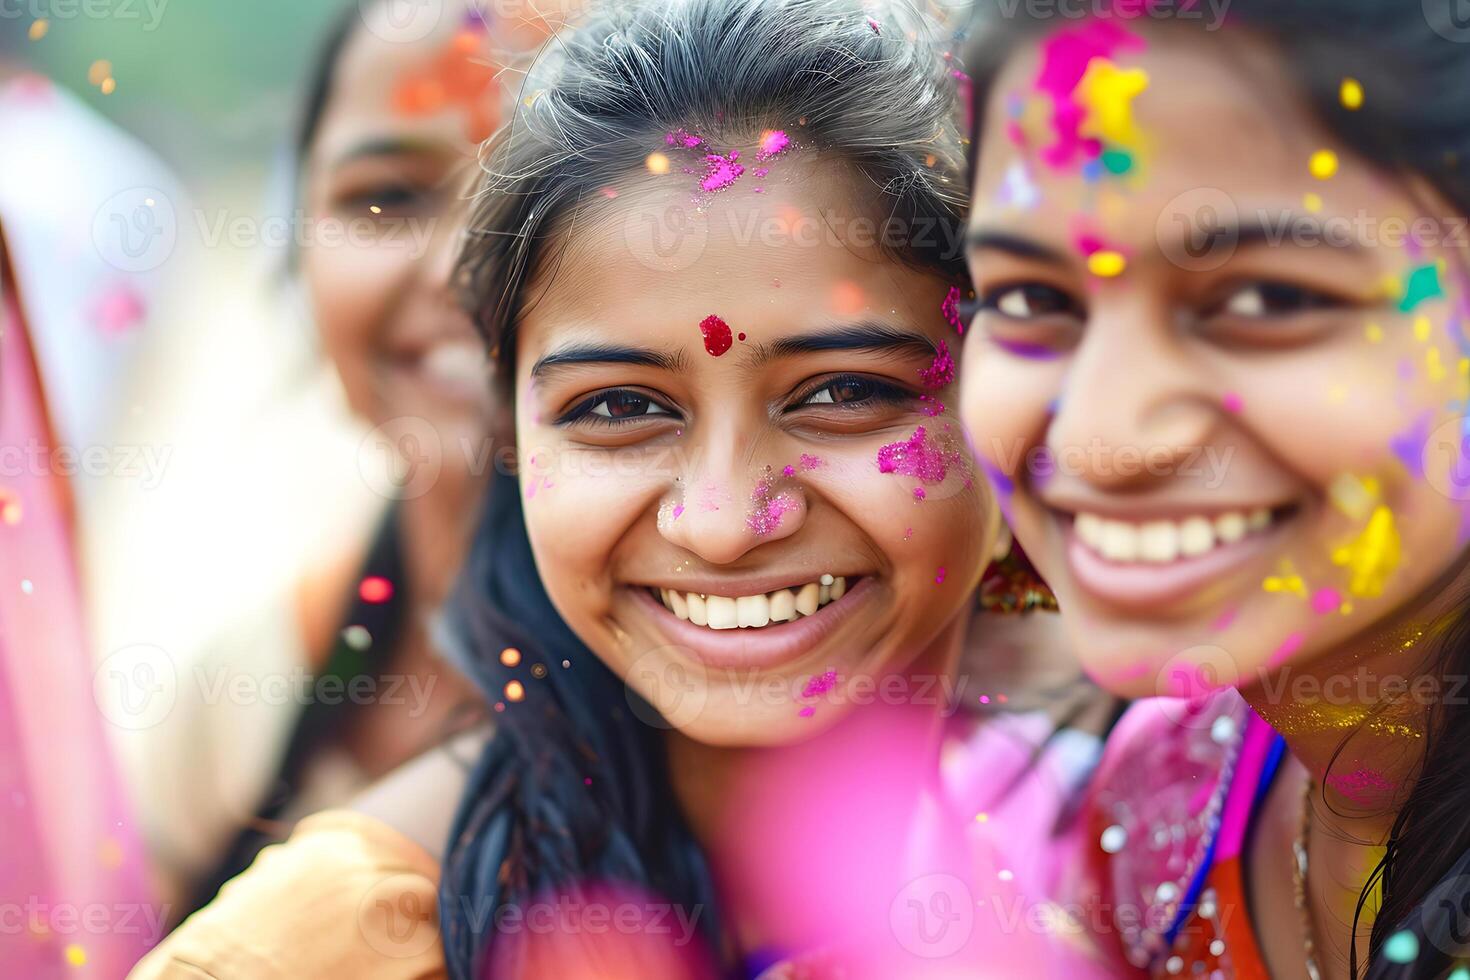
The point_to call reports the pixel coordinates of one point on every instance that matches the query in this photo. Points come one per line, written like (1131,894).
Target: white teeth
(806,599)
(722,612)
(752,611)
(1163,541)
(1230,527)
(825,580)
(1196,537)
(1158,541)
(1119,541)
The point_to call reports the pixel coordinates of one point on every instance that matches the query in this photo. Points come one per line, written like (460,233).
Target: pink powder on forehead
(919,456)
(1064,60)
(721,171)
(683,138)
(773,143)
(716,333)
(940,372)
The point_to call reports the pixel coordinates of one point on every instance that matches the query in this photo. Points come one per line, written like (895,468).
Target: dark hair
(1415,122)
(574,787)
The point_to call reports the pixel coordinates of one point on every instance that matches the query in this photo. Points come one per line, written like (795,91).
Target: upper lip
(751,585)
(1140,512)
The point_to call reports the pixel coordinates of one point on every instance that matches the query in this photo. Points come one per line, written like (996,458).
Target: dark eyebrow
(873,337)
(979,239)
(386,146)
(605,354)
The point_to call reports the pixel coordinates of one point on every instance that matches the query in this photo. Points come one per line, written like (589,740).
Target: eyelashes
(615,407)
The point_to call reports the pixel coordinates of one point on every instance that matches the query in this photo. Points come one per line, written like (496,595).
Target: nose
(1136,403)
(732,503)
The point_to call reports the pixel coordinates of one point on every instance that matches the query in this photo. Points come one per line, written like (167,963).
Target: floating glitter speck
(939,575)
(1326,601)
(1401,947)
(357,638)
(657,163)
(108,86)
(99,71)
(1351,93)
(39,27)
(75,955)
(1323,164)
(1373,556)
(950,309)
(1312,202)
(27,586)
(1423,285)
(514,691)
(375,589)
(510,656)
(375,209)
(716,334)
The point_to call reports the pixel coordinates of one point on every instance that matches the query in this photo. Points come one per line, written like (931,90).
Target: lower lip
(758,648)
(1140,585)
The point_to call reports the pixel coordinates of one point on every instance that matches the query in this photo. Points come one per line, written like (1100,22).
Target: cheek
(1005,406)
(349,301)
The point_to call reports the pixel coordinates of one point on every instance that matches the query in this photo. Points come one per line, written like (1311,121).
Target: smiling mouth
(717,612)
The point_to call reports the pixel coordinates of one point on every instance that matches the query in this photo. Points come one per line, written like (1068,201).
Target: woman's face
(714,425)
(385,187)
(1221,392)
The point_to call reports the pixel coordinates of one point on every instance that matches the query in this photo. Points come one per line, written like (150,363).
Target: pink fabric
(1236,818)
(72,884)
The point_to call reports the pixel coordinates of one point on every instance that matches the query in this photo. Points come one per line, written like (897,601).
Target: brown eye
(619,405)
(851,390)
(1270,299)
(1029,301)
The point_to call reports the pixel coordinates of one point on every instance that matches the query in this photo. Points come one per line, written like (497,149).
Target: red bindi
(716,335)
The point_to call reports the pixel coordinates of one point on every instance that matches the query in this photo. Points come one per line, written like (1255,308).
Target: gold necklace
(1299,882)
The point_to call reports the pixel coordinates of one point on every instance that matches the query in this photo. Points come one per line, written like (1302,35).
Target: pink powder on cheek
(1232,403)
(919,456)
(950,310)
(1326,601)
(939,576)
(768,510)
(716,333)
(1362,786)
(810,462)
(1286,650)
(940,372)
(788,470)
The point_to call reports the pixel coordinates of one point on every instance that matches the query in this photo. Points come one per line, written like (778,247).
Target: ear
(1003,542)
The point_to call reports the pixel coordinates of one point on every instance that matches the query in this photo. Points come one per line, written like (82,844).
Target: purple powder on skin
(678,509)
(940,372)
(768,509)
(807,712)
(721,171)
(1032,352)
(1003,484)
(1408,446)
(919,456)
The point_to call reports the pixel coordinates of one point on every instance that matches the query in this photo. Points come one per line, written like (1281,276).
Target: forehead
(1219,112)
(805,248)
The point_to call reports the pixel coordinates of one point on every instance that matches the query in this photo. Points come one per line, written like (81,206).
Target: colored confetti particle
(375,589)
(657,163)
(1326,601)
(1323,164)
(1232,403)
(1106,264)
(1107,92)
(982,817)
(1066,58)
(940,372)
(1288,582)
(1353,496)
(1423,285)
(375,209)
(874,26)
(1312,202)
(118,309)
(510,656)
(807,712)
(1408,446)
(721,171)
(1117,162)
(357,638)
(1401,947)
(1350,93)
(38,29)
(939,576)
(716,333)
(608,192)
(75,955)
(515,691)
(1373,556)
(773,143)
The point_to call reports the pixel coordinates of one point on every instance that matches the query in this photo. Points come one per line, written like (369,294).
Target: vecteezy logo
(667,687)
(135,230)
(397,919)
(1199,229)
(669,239)
(135,687)
(1450,19)
(933,916)
(401,459)
(1445,915)
(1446,458)
(1192,674)
(401,21)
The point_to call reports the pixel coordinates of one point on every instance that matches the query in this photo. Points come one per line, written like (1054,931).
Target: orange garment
(345,896)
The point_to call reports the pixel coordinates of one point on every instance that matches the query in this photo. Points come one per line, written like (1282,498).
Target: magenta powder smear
(940,372)
(1286,651)
(768,509)
(788,470)
(950,309)
(716,334)
(939,576)
(1326,601)
(919,493)
(1064,60)
(721,170)
(683,138)
(820,684)
(920,456)
(810,462)
(1030,351)
(773,144)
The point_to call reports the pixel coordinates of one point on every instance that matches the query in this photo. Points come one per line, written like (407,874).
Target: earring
(1011,585)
